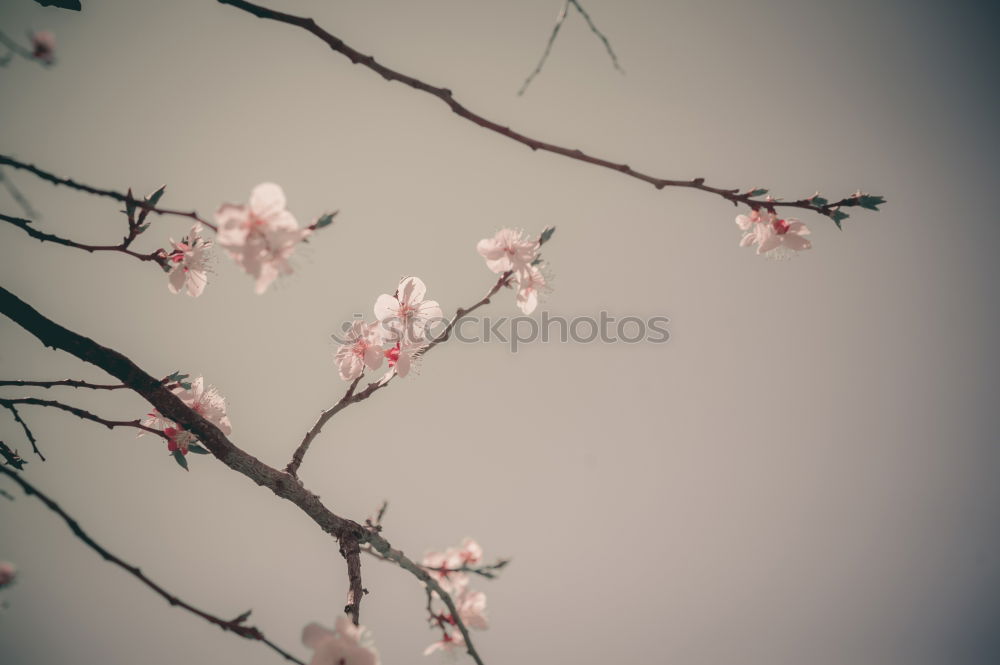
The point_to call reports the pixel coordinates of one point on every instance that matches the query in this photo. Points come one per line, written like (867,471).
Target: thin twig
(27,431)
(548,48)
(158,257)
(18,197)
(73,383)
(97,191)
(352,397)
(751,198)
(79,413)
(233,626)
(593,28)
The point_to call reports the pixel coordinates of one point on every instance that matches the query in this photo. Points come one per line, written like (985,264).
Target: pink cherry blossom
(452,559)
(345,645)
(774,237)
(530,283)
(205,401)
(43,46)
(260,236)
(8,572)
(403,357)
(509,249)
(405,315)
(449,643)
(189,263)
(471,607)
(362,348)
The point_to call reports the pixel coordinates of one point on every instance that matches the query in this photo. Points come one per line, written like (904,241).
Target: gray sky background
(805,473)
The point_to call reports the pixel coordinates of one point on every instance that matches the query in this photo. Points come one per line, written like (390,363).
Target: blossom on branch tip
(347,644)
(260,236)
(405,315)
(509,249)
(471,607)
(43,46)
(188,263)
(362,348)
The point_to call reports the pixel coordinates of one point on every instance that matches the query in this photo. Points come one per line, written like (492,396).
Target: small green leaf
(187,385)
(198,450)
(838,216)
(325,220)
(760,191)
(537,261)
(179,458)
(870,202)
(819,201)
(243,617)
(546,235)
(130,205)
(152,200)
(155,197)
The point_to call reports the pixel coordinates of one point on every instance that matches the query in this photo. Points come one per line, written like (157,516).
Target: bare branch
(751,198)
(79,413)
(27,431)
(548,48)
(233,626)
(351,552)
(11,458)
(600,35)
(158,257)
(18,197)
(73,383)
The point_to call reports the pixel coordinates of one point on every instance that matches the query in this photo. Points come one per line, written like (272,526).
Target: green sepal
(179,458)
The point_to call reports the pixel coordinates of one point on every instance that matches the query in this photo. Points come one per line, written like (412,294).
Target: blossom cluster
(450,569)
(205,401)
(774,237)
(399,333)
(511,251)
(346,644)
(260,236)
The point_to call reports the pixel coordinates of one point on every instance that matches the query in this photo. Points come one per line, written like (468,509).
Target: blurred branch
(552,38)
(234,626)
(18,197)
(751,198)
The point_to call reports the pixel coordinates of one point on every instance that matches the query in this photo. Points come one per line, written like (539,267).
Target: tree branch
(158,257)
(27,431)
(79,413)
(234,626)
(351,397)
(751,198)
(170,406)
(351,552)
(548,48)
(73,383)
(96,191)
